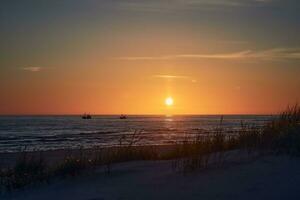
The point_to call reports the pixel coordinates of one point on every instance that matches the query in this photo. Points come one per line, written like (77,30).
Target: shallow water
(57,132)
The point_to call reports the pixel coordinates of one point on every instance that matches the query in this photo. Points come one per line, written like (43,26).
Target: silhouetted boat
(86,116)
(123,117)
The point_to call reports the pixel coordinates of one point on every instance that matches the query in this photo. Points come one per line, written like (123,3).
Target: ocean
(29,133)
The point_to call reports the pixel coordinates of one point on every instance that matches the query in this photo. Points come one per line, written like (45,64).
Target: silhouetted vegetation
(280,136)
(27,170)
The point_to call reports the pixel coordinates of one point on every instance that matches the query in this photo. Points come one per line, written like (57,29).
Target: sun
(169,101)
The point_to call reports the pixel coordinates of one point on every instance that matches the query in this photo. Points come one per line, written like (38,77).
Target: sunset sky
(122,56)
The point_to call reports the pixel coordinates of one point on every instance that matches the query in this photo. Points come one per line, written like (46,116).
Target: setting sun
(169,101)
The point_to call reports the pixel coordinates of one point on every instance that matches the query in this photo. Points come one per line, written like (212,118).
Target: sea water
(19,133)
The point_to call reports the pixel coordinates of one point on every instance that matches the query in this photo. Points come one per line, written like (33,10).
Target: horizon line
(200,114)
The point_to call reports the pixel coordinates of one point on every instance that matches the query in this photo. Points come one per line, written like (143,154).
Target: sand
(265,178)
(52,157)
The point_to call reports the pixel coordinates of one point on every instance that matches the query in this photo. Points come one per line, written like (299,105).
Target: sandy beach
(266,178)
(254,164)
(52,157)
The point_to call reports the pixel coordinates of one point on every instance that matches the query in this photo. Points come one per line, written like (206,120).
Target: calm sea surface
(57,132)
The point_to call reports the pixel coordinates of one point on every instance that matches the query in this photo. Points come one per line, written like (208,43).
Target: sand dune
(265,178)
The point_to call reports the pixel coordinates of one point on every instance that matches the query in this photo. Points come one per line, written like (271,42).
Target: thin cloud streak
(164,6)
(235,55)
(278,54)
(170,76)
(32,69)
(271,54)
(190,56)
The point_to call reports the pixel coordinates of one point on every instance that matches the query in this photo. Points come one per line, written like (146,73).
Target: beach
(256,163)
(53,157)
(265,178)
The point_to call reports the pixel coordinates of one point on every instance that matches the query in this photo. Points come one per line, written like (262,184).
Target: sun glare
(169,101)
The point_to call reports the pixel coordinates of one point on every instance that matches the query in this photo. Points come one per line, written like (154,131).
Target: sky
(128,56)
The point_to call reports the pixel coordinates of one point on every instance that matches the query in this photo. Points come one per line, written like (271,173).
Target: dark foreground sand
(265,178)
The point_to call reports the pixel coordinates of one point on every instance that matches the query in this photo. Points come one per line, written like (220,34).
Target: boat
(123,117)
(86,116)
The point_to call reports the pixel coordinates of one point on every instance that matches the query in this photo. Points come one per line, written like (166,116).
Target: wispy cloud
(166,5)
(32,69)
(235,42)
(189,56)
(171,77)
(277,54)
(270,54)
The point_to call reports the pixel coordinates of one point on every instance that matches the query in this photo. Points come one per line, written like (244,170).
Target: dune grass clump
(71,166)
(197,153)
(26,171)
(126,151)
(281,135)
